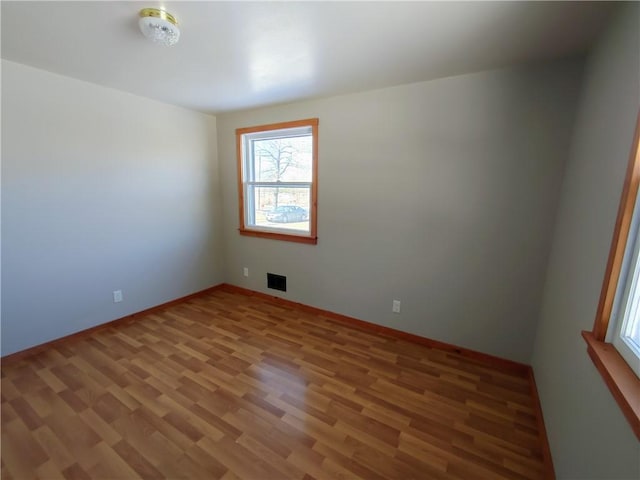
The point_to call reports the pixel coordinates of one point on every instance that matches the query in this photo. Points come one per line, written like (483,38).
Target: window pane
(626,309)
(630,331)
(286,159)
(281,207)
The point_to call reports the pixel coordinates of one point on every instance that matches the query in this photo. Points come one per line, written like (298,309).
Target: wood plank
(231,386)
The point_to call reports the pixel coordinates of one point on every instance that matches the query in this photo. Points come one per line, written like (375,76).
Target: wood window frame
(312,237)
(621,380)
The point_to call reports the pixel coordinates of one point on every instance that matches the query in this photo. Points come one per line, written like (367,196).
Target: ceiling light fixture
(159,26)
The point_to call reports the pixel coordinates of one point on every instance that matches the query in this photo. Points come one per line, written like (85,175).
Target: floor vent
(277,282)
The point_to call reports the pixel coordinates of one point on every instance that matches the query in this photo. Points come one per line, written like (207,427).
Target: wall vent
(277,282)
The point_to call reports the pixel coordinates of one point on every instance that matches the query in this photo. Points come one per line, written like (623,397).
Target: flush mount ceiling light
(159,26)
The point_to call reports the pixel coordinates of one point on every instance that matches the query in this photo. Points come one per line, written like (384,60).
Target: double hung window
(614,342)
(624,326)
(277,180)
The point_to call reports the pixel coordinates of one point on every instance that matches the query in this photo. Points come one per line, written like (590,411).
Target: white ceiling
(236,55)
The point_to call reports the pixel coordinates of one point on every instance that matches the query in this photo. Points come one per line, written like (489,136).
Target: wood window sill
(279,236)
(621,380)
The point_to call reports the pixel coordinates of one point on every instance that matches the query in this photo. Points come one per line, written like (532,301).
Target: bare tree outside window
(283,160)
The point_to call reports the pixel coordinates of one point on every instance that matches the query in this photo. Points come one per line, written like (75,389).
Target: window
(614,343)
(624,326)
(277,180)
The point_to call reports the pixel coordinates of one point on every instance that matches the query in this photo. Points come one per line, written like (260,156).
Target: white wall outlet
(117,296)
(245,271)
(396,306)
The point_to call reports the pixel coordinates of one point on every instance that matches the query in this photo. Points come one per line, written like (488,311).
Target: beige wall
(589,437)
(101,190)
(441,194)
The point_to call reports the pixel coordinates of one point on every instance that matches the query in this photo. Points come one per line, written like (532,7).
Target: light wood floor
(230,386)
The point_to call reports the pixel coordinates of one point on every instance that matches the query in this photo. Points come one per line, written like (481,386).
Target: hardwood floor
(230,386)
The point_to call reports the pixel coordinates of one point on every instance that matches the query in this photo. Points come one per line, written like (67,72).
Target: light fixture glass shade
(159,26)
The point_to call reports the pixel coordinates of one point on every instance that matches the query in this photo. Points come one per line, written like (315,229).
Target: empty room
(320,240)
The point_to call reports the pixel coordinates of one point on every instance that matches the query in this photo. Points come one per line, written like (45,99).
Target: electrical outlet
(396,306)
(245,271)
(117,296)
